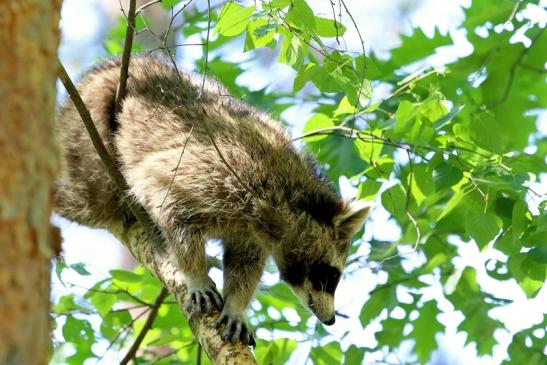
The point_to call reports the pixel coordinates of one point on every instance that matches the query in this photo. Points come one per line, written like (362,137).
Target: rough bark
(29,36)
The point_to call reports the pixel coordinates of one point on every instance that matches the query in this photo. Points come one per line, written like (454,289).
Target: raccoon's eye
(294,273)
(324,277)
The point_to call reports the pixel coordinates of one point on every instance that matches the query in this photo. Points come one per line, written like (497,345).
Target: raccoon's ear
(351,218)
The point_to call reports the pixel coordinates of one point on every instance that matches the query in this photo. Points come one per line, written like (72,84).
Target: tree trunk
(29,35)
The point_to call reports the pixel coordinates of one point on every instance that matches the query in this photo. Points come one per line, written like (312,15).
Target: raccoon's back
(171,122)
(186,144)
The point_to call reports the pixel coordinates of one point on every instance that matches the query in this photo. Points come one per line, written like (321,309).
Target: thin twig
(123,331)
(198,359)
(336,25)
(176,169)
(360,92)
(124,71)
(416,243)
(206,47)
(147,325)
(514,12)
(410,178)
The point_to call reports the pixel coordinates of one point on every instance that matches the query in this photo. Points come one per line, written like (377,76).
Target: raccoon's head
(313,268)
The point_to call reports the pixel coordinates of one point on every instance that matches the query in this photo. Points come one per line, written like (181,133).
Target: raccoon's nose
(330,322)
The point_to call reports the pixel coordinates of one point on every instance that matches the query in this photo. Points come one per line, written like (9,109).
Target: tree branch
(147,325)
(128,44)
(148,247)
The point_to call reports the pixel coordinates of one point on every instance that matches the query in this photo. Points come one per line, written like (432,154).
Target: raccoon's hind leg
(243,267)
(189,252)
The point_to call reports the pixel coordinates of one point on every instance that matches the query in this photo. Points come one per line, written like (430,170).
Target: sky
(83,26)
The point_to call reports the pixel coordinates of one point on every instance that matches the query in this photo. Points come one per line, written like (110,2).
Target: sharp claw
(236,334)
(235,330)
(199,303)
(208,304)
(190,303)
(246,335)
(219,321)
(213,299)
(217,298)
(226,333)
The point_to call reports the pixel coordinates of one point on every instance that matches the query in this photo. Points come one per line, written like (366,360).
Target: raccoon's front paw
(235,329)
(203,297)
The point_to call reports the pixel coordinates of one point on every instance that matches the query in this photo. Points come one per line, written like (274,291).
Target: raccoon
(207,165)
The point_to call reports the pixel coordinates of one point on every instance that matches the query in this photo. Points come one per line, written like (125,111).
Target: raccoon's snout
(319,311)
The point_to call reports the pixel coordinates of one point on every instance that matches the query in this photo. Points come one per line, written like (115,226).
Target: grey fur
(259,195)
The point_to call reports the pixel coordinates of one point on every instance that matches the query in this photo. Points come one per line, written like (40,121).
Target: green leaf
(102,301)
(280,4)
(368,146)
(434,109)
(305,74)
(391,333)
(123,276)
(80,334)
(482,227)
(78,331)
(394,201)
(60,265)
(380,299)
(275,352)
(114,322)
(233,19)
(354,355)
(328,354)
(368,189)
(168,4)
(301,15)
(426,326)
(422,183)
(480,329)
(485,132)
(519,219)
(292,51)
(317,122)
(358,92)
(481,12)
(372,72)
(478,325)
(446,175)
(454,201)
(66,304)
(326,27)
(435,261)
(529,273)
(417,46)
(381,168)
(80,269)
(344,107)
(445,119)
(260,33)
(406,112)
